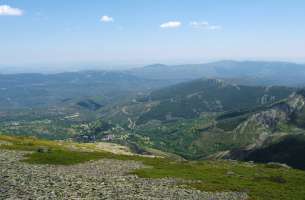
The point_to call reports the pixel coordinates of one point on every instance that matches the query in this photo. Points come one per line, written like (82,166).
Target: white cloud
(205,25)
(171,24)
(106,19)
(9,11)
(196,24)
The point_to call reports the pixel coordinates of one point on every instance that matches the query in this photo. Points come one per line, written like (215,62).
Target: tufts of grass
(62,157)
(260,181)
(52,152)
(28,143)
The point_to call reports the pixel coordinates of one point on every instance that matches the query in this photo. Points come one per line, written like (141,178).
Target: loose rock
(103,179)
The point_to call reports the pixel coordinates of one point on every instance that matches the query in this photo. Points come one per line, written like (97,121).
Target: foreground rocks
(103,179)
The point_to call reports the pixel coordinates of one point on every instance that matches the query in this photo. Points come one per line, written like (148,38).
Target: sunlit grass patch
(62,157)
(28,143)
(260,181)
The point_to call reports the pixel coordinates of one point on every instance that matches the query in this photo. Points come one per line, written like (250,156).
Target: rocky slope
(104,179)
(275,134)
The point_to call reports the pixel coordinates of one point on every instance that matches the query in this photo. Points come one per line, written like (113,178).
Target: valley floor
(102,179)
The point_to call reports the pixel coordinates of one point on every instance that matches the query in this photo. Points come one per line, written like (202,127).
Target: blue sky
(58,32)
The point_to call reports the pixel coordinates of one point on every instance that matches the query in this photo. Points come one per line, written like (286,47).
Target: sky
(137,32)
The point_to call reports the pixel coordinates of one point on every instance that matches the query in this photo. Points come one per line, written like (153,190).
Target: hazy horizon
(59,35)
(76,67)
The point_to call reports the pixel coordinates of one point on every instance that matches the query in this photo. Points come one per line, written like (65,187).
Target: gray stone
(104,179)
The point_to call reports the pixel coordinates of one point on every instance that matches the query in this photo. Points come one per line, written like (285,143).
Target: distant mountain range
(51,89)
(41,90)
(246,72)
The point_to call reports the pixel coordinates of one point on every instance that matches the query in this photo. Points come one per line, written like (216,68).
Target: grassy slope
(259,181)
(188,100)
